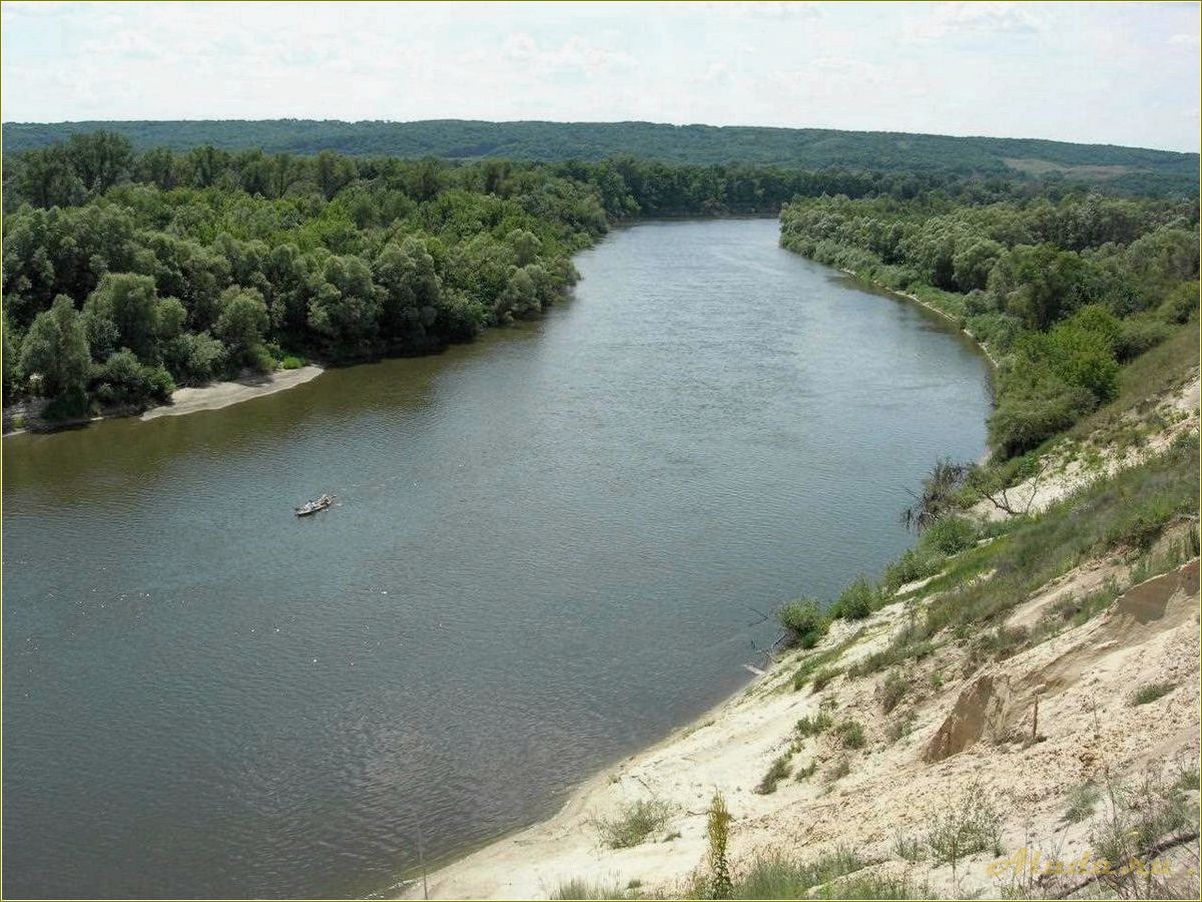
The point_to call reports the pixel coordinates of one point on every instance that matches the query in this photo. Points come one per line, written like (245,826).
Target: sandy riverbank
(223,394)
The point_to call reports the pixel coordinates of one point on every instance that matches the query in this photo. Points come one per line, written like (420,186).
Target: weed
(1081,802)
(893,688)
(633,824)
(777,771)
(851,734)
(970,825)
(1151,692)
(812,726)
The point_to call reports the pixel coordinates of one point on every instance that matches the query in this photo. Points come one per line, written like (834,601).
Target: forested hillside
(1118,168)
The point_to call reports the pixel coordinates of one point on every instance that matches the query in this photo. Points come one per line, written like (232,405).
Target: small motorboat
(311,507)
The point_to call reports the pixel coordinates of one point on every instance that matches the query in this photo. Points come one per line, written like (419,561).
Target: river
(550,547)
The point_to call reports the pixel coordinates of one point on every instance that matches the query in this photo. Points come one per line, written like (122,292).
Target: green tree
(241,326)
(55,352)
(130,303)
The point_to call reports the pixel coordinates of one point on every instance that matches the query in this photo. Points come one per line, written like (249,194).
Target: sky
(1113,73)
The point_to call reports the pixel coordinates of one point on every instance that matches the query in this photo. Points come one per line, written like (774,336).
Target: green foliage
(856,602)
(55,352)
(633,824)
(1081,802)
(813,726)
(1062,289)
(775,876)
(777,771)
(850,734)
(123,379)
(804,622)
(911,158)
(967,826)
(950,535)
(1145,695)
(717,833)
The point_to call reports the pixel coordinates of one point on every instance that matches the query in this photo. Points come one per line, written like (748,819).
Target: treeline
(88,164)
(1062,291)
(127,274)
(1126,169)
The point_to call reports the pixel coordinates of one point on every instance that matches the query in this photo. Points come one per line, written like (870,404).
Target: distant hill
(801,147)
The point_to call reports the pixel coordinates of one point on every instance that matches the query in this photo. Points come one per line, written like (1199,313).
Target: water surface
(549,549)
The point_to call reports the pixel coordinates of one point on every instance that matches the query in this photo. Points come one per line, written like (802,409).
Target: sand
(966,735)
(223,394)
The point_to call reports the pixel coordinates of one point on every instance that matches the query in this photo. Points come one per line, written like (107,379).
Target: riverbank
(1059,722)
(929,306)
(225,394)
(26,416)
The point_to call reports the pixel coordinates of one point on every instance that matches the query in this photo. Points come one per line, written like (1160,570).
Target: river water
(549,549)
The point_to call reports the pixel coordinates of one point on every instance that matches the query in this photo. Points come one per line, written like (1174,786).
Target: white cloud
(950,20)
(574,54)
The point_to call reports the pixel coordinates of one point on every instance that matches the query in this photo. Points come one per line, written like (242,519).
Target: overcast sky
(1108,73)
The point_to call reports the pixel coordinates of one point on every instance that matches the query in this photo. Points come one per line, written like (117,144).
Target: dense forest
(1061,291)
(1120,169)
(127,274)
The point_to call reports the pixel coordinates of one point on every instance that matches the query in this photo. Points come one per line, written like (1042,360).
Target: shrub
(1137,819)
(775,876)
(950,535)
(124,380)
(804,773)
(857,601)
(804,622)
(634,823)
(1151,692)
(914,564)
(969,826)
(908,848)
(841,769)
(851,734)
(823,677)
(893,689)
(291,362)
(813,726)
(1081,802)
(777,771)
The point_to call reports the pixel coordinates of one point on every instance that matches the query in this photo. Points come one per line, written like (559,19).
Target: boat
(312,507)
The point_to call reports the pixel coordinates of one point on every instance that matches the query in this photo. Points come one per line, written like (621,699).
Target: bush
(970,826)
(1025,419)
(813,726)
(633,824)
(950,535)
(915,564)
(124,380)
(774,876)
(1145,695)
(777,771)
(1139,334)
(857,601)
(1081,803)
(851,734)
(804,622)
(893,689)
(823,677)
(291,362)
